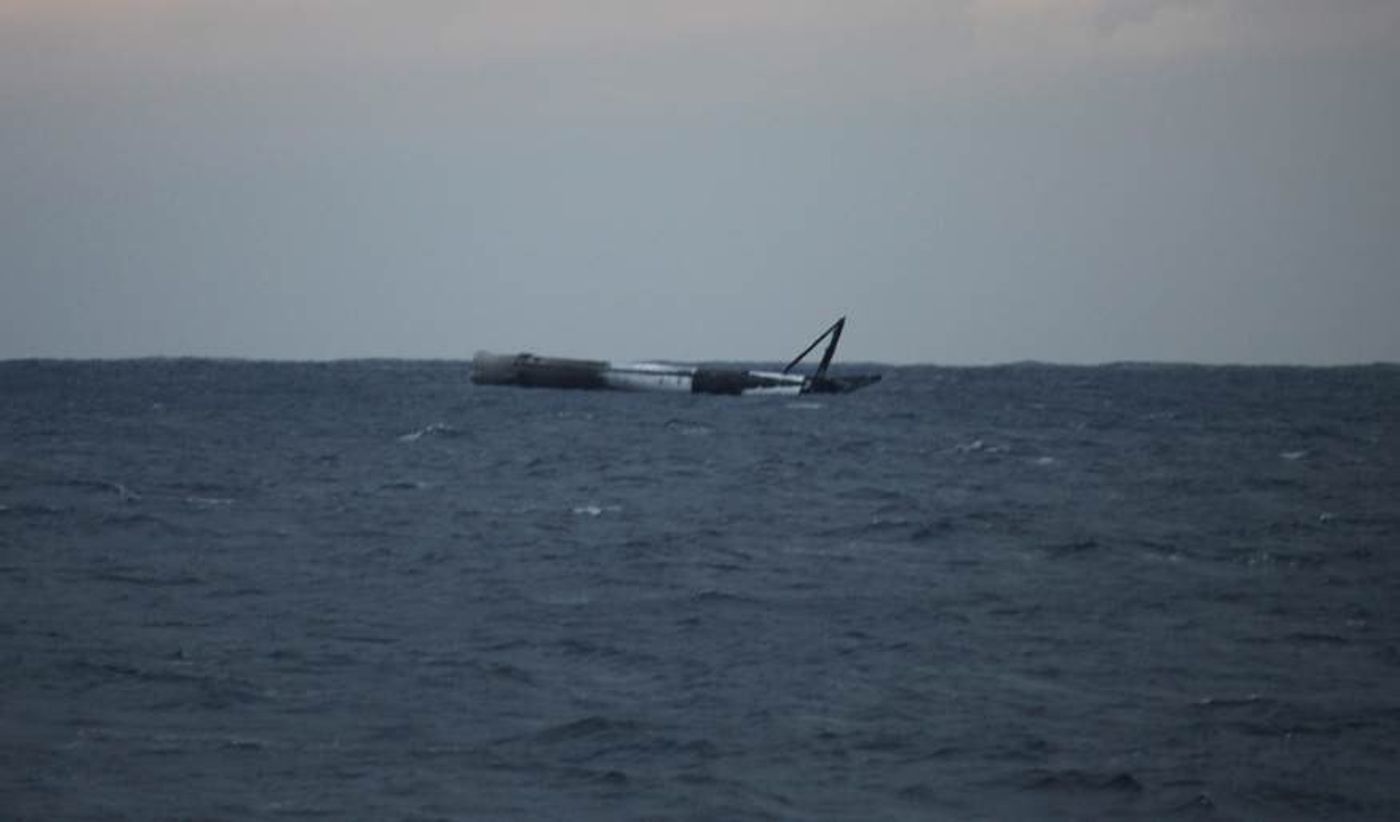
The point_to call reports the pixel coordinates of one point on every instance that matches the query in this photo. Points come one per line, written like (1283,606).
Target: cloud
(243,162)
(882,41)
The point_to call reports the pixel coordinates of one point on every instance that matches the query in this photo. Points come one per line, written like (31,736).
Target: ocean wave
(435,429)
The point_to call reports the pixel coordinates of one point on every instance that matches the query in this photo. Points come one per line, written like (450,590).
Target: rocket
(533,371)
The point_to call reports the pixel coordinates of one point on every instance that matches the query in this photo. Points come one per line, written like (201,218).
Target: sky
(969,181)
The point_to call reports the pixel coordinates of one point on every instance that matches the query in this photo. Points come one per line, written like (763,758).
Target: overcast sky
(971,181)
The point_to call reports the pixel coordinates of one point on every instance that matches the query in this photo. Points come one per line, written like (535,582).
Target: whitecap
(126,494)
(427,430)
(592,510)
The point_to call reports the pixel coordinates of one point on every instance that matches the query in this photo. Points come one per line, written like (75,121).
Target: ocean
(372,590)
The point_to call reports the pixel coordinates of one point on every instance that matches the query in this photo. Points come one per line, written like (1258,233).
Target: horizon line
(1020,363)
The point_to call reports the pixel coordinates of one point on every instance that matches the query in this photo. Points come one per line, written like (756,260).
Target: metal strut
(835,333)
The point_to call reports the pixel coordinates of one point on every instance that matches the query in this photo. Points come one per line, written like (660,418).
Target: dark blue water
(372,590)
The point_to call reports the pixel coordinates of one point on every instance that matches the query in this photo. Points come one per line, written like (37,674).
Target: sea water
(372,590)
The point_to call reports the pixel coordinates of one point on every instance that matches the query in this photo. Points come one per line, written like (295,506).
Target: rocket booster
(556,372)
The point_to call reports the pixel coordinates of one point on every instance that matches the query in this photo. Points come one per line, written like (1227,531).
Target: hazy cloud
(899,42)
(972,180)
